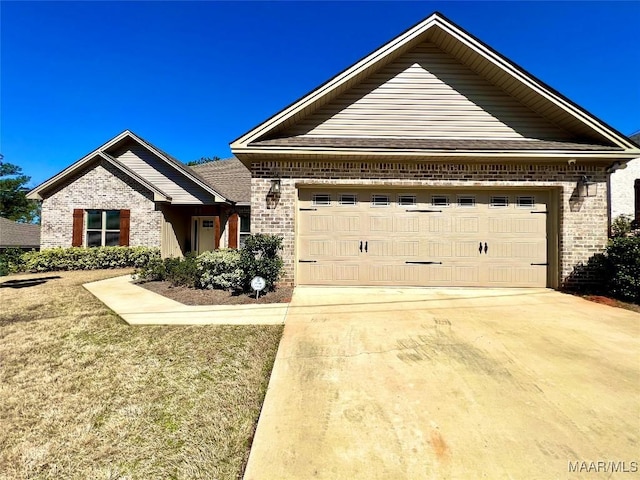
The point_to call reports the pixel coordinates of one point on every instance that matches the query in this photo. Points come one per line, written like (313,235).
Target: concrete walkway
(139,306)
(375,383)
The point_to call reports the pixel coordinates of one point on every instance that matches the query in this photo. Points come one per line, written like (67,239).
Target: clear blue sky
(192,76)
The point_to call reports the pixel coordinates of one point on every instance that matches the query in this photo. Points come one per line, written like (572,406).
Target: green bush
(622,226)
(78,258)
(260,256)
(221,270)
(177,271)
(623,259)
(11,261)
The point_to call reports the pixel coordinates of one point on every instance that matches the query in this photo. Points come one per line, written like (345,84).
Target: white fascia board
(443,153)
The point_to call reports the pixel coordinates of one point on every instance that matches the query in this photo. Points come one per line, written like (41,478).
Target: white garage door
(422,238)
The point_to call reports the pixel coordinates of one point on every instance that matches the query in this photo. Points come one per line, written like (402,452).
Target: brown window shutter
(125,222)
(216,230)
(233,230)
(78,220)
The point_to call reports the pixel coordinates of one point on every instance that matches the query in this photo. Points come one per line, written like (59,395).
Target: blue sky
(192,76)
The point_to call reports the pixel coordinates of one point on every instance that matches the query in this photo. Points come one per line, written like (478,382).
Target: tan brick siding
(582,221)
(101,187)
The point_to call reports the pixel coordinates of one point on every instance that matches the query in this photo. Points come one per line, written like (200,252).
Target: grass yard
(84,395)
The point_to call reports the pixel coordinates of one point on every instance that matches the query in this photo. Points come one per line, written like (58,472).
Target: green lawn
(83,395)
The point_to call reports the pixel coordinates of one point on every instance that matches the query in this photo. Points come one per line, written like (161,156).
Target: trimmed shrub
(177,271)
(260,255)
(221,270)
(78,258)
(623,259)
(11,261)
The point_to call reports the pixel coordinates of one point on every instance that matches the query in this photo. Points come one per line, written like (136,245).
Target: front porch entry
(205,233)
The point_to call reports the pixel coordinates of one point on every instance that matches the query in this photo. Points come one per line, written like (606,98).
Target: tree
(202,160)
(14,203)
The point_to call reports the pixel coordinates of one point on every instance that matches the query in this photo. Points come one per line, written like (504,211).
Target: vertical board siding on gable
(163,176)
(427,93)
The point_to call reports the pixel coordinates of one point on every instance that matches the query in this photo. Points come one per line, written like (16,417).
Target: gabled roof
(230,176)
(102,154)
(19,235)
(595,136)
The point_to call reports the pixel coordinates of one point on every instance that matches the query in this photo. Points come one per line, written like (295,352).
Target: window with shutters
(103,228)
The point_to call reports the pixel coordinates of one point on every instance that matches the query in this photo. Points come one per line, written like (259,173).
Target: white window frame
(103,226)
(401,196)
(460,197)
(342,202)
(492,205)
(315,196)
(380,205)
(446,197)
(519,198)
(243,234)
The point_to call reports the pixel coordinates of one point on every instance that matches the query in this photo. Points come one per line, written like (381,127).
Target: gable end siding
(163,176)
(426,93)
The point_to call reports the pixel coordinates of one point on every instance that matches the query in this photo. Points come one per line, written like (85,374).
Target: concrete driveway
(376,383)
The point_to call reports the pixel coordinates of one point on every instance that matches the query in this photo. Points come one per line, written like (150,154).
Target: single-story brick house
(624,188)
(433,161)
(129,192)
(25,236)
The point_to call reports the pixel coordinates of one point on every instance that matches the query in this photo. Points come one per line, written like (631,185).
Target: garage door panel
(347,223)
(467,224)
(321,223)
(437,224)
(435,249)
(380,248)
(481,238)
(380,224)
(406,248)
(407,224)
(438,274)
(467,249)
(346,272)
(466,275)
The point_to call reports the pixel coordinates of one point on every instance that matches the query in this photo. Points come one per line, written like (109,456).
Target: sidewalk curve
(139,306)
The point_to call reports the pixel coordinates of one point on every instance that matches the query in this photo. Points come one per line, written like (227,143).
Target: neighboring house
(624,187)
(25,236)
(433,161)
(129,192)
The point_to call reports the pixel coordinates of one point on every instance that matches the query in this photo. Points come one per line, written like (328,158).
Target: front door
(204,234)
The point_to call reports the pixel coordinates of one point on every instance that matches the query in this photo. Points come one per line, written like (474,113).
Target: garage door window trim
(378,200)
(407,200)
(348,199)
(321,199)
(499,201)
(526,201)
(440,201)
(466,201)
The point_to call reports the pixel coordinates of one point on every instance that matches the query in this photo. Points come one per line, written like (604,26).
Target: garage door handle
(480,248)
(366,247)
(360,245)
(486,247)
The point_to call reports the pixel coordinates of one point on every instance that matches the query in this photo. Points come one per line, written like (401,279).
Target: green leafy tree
(14,203)
(203,160)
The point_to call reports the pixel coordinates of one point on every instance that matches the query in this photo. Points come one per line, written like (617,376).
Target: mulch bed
(612,302)
(195,296)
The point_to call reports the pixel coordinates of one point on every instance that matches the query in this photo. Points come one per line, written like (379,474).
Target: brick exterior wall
(100,187)
(582,225)
(623,189)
